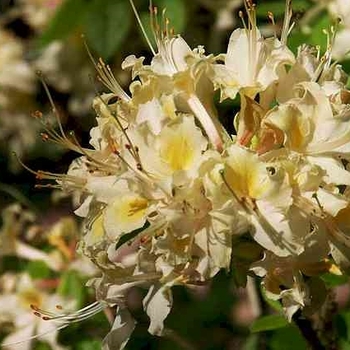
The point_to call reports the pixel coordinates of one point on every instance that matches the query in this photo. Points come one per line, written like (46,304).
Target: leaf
(106,25)
(146,22)
(318,37)
(278,7)
(296,39)
(343,345)
(41,346)
(288,338)
(342,322)
(268,323)
(66,19)
(274,304)
(129,236)
(38,269)
(175,12)
(89,345)
(72,285)
(252,342)
(332,280)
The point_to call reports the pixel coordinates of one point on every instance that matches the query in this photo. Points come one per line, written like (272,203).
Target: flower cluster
(25,297)
(170,197)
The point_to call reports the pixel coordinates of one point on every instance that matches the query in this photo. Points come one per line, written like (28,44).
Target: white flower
(18,305)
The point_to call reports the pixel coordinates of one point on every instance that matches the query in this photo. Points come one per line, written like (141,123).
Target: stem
(253,297)
(306,329)
(177,339)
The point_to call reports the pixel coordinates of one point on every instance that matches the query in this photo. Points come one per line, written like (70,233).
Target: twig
(176,338)
(306,329)
(253,297)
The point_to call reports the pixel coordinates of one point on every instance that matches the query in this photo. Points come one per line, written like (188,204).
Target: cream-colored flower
(264,59)
(19,307)
(37,13)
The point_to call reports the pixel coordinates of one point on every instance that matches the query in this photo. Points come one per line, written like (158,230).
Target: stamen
(241,16)
(142,27)
(106,76)
(50,133)
(71,317)
(315,196)
(54,110)
(288,13)
(272,19)
(74,181)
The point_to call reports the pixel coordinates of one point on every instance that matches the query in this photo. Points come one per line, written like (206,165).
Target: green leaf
(252,342)
(318,37)
(106,26)
(175,12)
(41,346)
(332,280)
(129,236)
(89,345)
(38,269)
(274,304)
(296,39)
(145,19)
(288,338)
(278,7)
(268,323)
(343,345)
(72,285)
(67,18)
(342,323)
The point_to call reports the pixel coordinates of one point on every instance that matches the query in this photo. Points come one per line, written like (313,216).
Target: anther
(37,114)
(271,170)
(44,136)
(112,100)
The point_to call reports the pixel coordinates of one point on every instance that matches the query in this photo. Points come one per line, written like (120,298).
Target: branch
(306,329)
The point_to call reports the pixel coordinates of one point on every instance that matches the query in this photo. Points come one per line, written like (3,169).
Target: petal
(121,331)
(157,304)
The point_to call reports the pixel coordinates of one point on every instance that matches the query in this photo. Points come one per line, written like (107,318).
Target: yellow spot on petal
(137,206)
(246,176)
(125,214)
(178,152)
(29,297)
